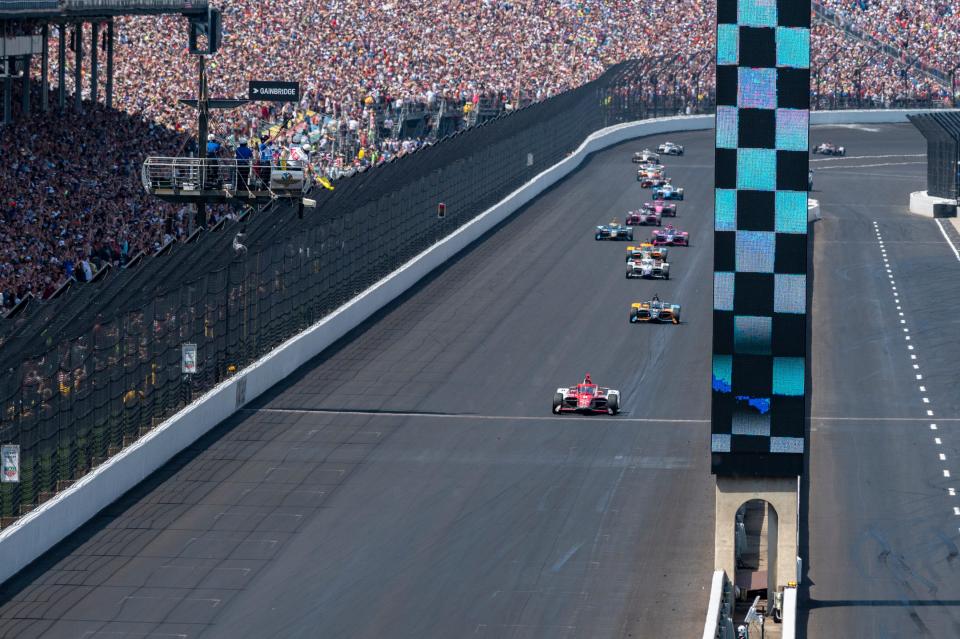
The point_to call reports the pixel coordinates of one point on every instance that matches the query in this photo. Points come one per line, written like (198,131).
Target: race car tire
(666,275)
(613,404)
(630,237)
(557,403)
(633,318)
(660,222)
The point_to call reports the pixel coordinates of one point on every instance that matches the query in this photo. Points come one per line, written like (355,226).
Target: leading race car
(828,148)
(613,231)
(648,268)
(654,311)
(670,236)
(661,207)
(646,156)
(669,148)
(643,217)
(668,192)
(647,250)
(586,397)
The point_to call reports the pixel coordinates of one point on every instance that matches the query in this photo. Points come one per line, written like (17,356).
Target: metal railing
(120,5)
(186,174)
(21,8)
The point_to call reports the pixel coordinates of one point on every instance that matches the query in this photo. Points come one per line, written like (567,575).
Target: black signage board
(274,91)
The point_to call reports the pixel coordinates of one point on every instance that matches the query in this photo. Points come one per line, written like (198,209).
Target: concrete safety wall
(51,522)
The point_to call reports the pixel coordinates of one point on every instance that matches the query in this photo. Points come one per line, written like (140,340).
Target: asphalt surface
(412,482)
(882,553)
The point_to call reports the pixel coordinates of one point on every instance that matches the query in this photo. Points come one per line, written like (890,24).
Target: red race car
(670,236)
(586,397)
(664,208)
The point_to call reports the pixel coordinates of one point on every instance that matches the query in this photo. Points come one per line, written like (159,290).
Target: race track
(412,482)
(882,554)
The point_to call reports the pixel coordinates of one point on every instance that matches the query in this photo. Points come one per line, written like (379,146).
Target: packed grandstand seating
(367,70)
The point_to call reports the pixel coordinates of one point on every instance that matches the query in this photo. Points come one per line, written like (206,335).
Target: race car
(669,148)
(654,311)
(644,217)
(668,192)
(647,250)
(646,156)
(614,231)
(649,171)
(670,236)
(648,268)
(828,148)
(586,397)
(661,207)
(653,182)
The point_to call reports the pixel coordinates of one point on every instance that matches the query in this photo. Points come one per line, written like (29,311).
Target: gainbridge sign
(274,91)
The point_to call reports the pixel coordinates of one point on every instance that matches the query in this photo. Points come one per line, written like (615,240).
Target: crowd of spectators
(924,30)
(71,201)
(363,68)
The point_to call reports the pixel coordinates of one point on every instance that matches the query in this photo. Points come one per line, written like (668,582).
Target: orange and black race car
(654,311)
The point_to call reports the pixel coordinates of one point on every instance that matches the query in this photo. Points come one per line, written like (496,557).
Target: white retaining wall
(41,529)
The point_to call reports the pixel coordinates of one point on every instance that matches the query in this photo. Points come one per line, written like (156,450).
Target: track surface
(412,483)
(883,555)
(409,483)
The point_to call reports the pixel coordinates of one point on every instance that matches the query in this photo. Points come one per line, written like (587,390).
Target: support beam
(78,67)
(110,64)
(45,68)
(94,71)
(8,93)
(781,494)
(62,69)
(25,98)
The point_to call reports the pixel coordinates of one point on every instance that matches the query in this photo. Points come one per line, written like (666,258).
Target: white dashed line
(922,388)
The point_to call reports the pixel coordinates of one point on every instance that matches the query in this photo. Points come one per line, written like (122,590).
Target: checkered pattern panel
(760,242)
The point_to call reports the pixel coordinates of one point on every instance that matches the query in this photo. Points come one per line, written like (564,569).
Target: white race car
(646,157)
(670,148)
(648,268)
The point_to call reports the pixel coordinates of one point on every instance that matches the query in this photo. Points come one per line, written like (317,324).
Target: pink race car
(643,217)
(670,236)
(664,208)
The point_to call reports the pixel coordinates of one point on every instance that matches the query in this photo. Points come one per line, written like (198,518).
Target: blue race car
(614,231)
(668,192)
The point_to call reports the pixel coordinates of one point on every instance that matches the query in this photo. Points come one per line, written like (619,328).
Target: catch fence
(89,372)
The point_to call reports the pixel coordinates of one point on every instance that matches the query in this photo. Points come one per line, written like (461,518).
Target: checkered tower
(760,237)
